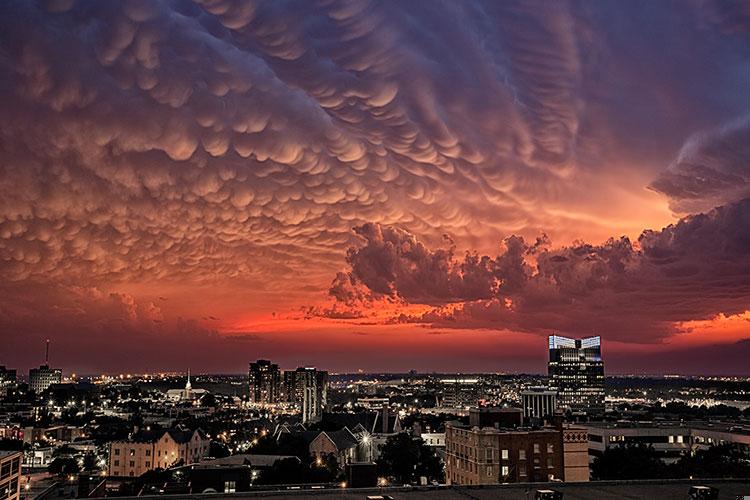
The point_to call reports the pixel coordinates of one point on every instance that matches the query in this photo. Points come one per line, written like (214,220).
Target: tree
(286,471)
(63,465)
(725,461)
(406,459)
(628,462)
(90,462)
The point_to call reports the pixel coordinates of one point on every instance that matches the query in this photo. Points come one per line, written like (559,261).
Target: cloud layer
(224,149)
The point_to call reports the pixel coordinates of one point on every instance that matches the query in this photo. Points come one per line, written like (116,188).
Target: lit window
(505,470)
(536,447)
(505,454)
(522,454)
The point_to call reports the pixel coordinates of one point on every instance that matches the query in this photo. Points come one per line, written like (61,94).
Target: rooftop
(603,490)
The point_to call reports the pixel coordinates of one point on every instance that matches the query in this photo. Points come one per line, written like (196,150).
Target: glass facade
(576,372)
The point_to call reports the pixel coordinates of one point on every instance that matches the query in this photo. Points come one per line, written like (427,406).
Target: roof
(342,439)
(604,490)
(249,459)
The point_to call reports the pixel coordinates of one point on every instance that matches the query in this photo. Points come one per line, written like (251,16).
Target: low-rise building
(150,451)
(670,440)
(10,475)
(493,455)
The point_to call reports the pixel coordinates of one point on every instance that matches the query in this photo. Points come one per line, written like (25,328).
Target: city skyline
(375,186)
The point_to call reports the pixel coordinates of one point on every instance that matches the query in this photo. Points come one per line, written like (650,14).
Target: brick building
(493,455)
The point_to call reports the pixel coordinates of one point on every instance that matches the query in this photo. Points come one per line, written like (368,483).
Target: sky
(374,185)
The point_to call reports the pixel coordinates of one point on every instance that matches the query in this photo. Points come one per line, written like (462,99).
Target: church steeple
(188,387)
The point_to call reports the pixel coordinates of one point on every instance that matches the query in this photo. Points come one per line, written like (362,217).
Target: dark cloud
(695,269)
(712,168)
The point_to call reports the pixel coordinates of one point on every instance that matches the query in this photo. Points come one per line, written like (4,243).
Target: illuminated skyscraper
(265,382)
(576,372)
(312,387)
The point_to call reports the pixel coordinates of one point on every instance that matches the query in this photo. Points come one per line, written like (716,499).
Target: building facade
(143,453)
(492,456)
(7,380)
(10,475)
(538,402)
(41,378)
(312,385)
(265,382)
(576,373)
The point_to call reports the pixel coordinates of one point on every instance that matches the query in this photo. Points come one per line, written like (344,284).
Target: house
(342,444)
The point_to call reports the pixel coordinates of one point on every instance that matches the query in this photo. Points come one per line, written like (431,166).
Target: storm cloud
(226,148)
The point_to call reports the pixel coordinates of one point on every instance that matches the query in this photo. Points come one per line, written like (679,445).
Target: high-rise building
(41,378)
(7,380)
(265,382)
(538,402)
(312,390)
(576,372)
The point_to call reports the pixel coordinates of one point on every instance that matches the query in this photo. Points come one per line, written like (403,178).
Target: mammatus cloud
(230,146)
(629,291)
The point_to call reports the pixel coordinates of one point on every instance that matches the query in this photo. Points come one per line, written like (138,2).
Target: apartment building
(10,475)
(148,451)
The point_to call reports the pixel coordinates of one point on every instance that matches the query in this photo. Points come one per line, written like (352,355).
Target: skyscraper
(312,387)
(265,382)
(576,372)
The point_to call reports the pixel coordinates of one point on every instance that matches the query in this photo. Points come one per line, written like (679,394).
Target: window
(522,471)
(488,455)
(148,453)
(131,473)
(505,454)
(536,447)
(132,463)
(117,451)
(230,487)
(549,463)
(489,471)
(148,464)
(132,452)
(522,454)
(550,448)
(505,471)
(671,439)
(680,439)
(117,463)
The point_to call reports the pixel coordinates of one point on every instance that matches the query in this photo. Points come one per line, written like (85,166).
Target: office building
(538,402)
(41,378)
(10,475)
(265,382)
(670,440)
(7,380)
(148,451)
(490,455)
(576,373)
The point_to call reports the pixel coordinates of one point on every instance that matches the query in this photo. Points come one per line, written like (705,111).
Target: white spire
(188,387)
